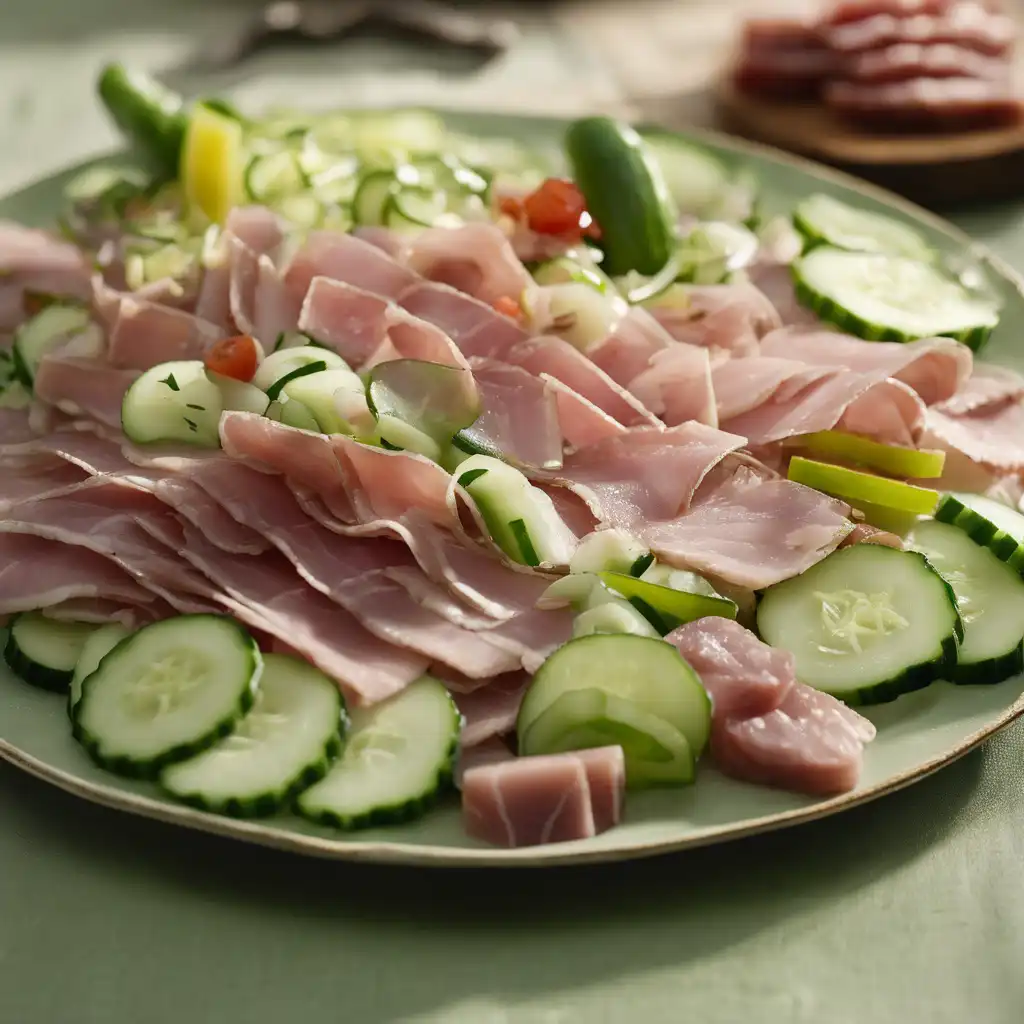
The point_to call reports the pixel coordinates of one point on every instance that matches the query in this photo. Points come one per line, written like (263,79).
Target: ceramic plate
(917,734)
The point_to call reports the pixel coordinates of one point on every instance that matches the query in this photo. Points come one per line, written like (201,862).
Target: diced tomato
(508,306)
(233,357)
(556,208)
(511,206)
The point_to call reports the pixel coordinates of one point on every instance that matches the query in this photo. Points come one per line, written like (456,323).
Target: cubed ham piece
(530,801)
(811,743)
(782,57)
(742,675)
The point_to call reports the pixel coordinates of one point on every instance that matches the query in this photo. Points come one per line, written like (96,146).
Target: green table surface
(909,910)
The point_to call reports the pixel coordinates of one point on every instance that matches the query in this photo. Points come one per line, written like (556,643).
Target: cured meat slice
(102,610)
(519,414)
(992,437)
(492,751)
(988,386)
(580,421)
(743,676)
(905,61)
(39,573)
(83,387)
(476,258)
(936,368)
(146,333)
(534,800)
(677,385)
(491,710)
(627,351)
(935,103)
(643,474)
(811,743)
(752,532)
(782,57)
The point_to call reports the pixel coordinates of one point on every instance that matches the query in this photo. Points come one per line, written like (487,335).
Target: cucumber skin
(396,814)
(974,338)
(267,804)
(148,114)
(917,677)
(150,770)
(638,225)
(991,671)
(29,671)
(982,532)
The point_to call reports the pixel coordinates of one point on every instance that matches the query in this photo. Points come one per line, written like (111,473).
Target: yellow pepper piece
(212,164)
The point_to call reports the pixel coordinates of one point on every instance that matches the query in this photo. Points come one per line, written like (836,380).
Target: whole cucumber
(626,194)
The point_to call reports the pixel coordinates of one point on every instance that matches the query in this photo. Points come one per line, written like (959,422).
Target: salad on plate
(350,459)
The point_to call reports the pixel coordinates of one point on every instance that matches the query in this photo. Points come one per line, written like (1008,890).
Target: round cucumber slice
(173,402)
(656,753)
(857,487)
(824,219)
(646,672)
(891,298)
(664,607)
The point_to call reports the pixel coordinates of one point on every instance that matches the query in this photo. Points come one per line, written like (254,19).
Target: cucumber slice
(614,616)
(169,261)
(856,487)
(626,194)
(521,518)
(824,220)
(15,396)
(580,314)
(304,212)
(274,176)
(293,339)
(108,185)
(701,185)
(713,251)
(988,523)
(412,209)
(887,458)
(990,596)
(282,746)
(283,362)
(436,400)
(610,550)
(890,298)
(397,435)
(167,692)
(293,414)
(656,753)
(44,652)
(399,756)
(564,270)
(305,370)
(173,402)
(97,646)
(406,132)
(866,624)
(46,331)
(664,607)
(371,197)
(316,392)
(646,672)
(239,396)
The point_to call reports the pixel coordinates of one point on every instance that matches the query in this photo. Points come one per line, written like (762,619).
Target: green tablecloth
(908,910)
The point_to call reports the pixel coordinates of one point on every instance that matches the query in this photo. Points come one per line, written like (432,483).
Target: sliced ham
(38,479)
(351,321)
(146,333)
(728,319)
(774,279)
(644,474)
(811,743)
(39,573)
(865,533)
(519,414)
(936,368)
(101,610)
(743,676)
(677,385)
(83,387)
(635,340)
(476,259)
(579,420)
(491,710)
(535,800)
(992,437)
(988,386)
(752,532)
(904,61)
(557,358)
(491,751)
(349,259)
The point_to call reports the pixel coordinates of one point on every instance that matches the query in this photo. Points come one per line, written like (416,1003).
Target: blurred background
(652,60)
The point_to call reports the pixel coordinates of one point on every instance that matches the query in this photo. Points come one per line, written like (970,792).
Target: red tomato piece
(233,357)
(555,208)
(508,306)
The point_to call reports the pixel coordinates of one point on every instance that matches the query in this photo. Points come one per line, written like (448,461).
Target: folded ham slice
(628,350)
(530,801)
(83,387)
(677,385)
(936,368)
(491,710)
(991,436)
(752,532)
(580,421)
(147,333)
(491,751)
(988,386)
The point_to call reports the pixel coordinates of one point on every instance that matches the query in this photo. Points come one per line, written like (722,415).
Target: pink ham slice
(728,319)
(743,676)
(476,258)
(643,474)
(102,610)
(811,743)
(519,415)
(627,351)
(146,334)
(677,385)
(491,751)
(774,279)
(557,358)
(346,258)
(532,801)
(936,368)
(752,532)
(991,437)
(39,573)
(904,61)
(83,387)
(491,710)
(580,421)
(37,480)
(988,386)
